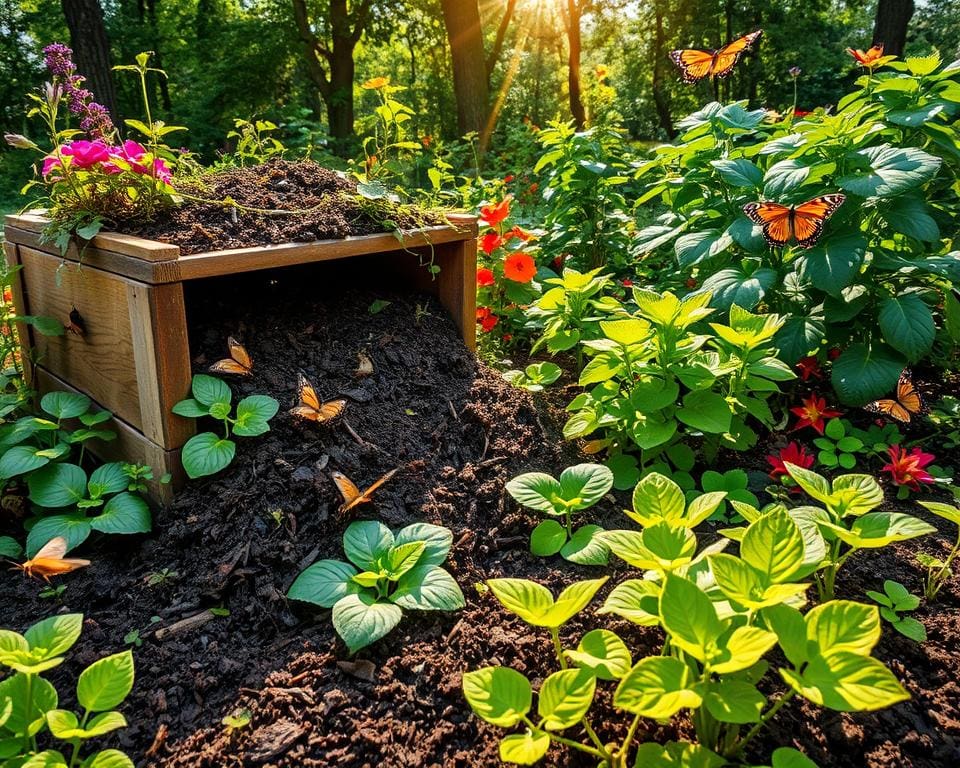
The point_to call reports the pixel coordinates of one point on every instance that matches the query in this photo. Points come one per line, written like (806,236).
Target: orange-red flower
(809,367)
(517,232)
(792,453)
(426,140)
(495,213)
(519,267)
(867,58)
(484,276)
(812,413)
(508,178)
(376,83)
(908,469)
(490,242)
(487,319)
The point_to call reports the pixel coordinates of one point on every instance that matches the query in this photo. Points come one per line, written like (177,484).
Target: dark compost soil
(459,432)
(324,205)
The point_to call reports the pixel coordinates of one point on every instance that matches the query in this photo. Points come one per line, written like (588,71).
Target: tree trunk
(470,83)
(890,27)
(91,49)
(574,9)
(660,99)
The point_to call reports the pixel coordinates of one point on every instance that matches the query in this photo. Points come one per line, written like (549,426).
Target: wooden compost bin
(134,358)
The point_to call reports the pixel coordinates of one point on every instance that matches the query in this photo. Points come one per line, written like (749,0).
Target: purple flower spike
(59,60)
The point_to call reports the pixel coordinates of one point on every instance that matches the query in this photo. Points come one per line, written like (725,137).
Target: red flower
(486,318)
(558,263)
(507,336)
(626,282)
(508,178)
(519,267)
(908,468)
(793,454)
(691,283)
(495,213)
(812,413)
(809,367)
(834,353)
(490,242)
(801,112)
(484,277)
(533,188)
(426,140)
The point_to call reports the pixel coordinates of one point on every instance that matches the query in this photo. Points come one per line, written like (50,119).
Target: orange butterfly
(907,402)
(868,58)
(696,65)
(50,561)
(352,496)
(239,361)
(310,407)
(804,222)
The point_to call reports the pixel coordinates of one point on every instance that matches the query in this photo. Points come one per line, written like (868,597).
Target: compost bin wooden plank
(130,445)
(128,245)
(457,286)
(101,362)
(216,263)
(24,332)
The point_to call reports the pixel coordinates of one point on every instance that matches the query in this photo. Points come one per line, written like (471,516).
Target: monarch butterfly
(907,402)
(804,222)
(696,65)
(352,496)
(867,58)
(50,561)
(239,361)
(310,407)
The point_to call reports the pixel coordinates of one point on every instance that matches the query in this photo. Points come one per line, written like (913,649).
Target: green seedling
(237,720)
(895,600)
(208,453)
(51,592)
(578,488)
(29,713)
(939,571)
(161,578)
(837,447)
(535,377)
(734,483)
(386,575)
(847,522)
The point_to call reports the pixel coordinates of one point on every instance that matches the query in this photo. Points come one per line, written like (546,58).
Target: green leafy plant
(894,601)
(837,447)
(940,571)
(386,574)
(734,483)
(535,377)
(847,522)
(716,638)
(29,711)
(208,453)
(873,283)
(100,502)
(579,488)
(255,145)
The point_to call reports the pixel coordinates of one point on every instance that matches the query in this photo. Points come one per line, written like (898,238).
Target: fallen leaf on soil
(364,364)
(274,740)
(363,669)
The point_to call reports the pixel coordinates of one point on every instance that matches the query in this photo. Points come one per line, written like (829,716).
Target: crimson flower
(792,453)
(812,413)
(490,242)
(486,318)
(908,468)
(626,282)
(495,213)
(801,112)
(809,367)
(519,267)
(508,178)
(484,277)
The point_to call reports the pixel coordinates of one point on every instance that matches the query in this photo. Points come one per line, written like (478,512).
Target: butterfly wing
(306,394)
(329,411)
(694,65)
(238,363)
(727,57)
(50,561)
(888,407)
(907,394)
(348,490)
(367,494)
(775,220)
(809,218)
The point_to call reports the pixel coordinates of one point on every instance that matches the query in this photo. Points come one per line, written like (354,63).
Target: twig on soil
(360,441)
(508,541)
(455,631)
(493,462)
(159,741)
(311,557)
(486,446)
(453,411)
(184,625)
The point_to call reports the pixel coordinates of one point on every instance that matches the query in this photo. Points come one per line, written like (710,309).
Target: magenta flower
(908,469)
(82,154)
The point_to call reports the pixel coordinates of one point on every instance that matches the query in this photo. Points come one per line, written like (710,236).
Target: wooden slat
(128,245)
(216,263)
(110,261)
(456,287)
(101,363)
(24,332)
(130,445)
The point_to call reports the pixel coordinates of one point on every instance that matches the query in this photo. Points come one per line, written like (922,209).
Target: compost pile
(324,205)
(458,432)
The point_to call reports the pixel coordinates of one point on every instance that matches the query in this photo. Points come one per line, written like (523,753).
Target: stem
(558,648)
(631,733)
(29,709)
(568,742)
(941,575)
(767,716)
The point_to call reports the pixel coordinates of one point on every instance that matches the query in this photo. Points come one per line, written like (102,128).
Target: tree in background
(91,49)
(572,13)
(890,27)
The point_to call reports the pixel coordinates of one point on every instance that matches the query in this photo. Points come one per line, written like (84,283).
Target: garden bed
(458,432)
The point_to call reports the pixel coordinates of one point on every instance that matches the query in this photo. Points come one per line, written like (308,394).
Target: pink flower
(82,154)
(909,469)
(139,160)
